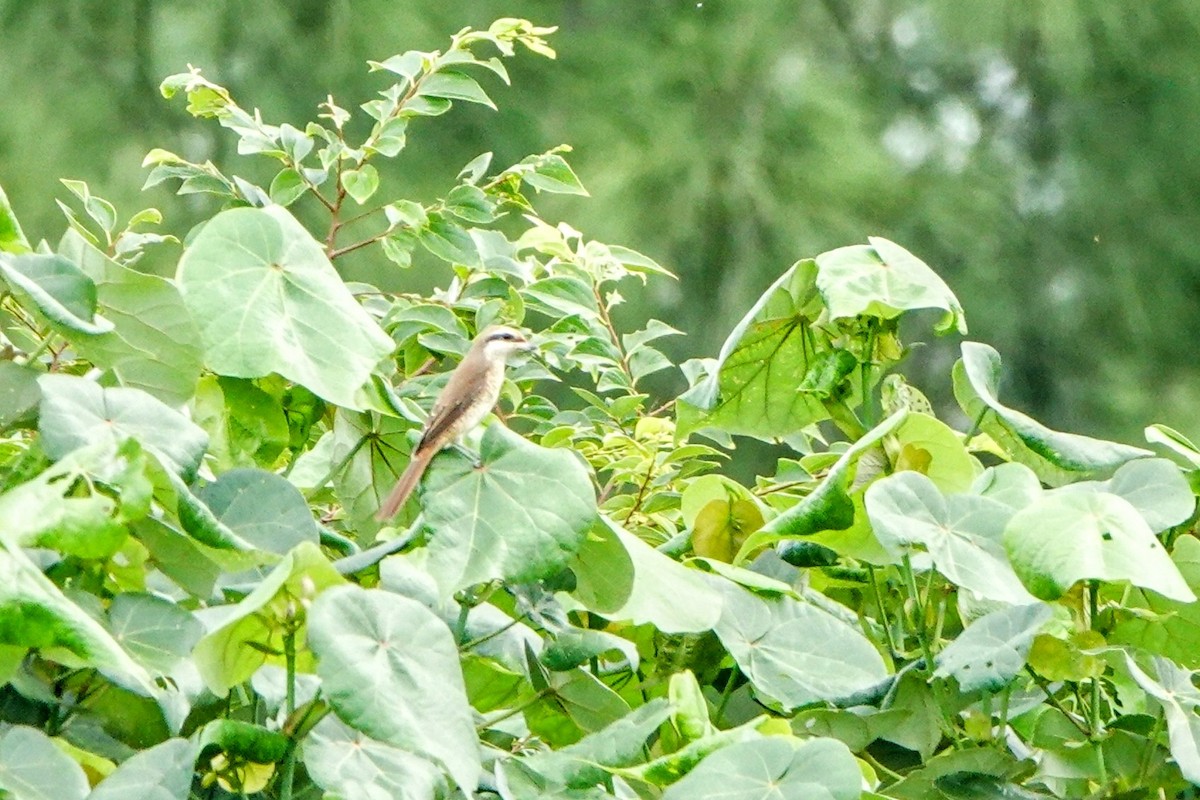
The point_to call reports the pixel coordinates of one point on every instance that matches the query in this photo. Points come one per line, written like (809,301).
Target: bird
(469,395)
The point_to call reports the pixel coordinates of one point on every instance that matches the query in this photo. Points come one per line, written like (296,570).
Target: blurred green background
(1040,156)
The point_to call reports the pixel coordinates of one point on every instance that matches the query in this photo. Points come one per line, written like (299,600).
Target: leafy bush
(198,602)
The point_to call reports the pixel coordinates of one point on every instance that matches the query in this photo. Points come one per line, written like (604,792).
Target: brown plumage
(468,397)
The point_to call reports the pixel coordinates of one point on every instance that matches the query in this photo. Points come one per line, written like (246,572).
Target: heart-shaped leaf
(348,763)
(76,412)
(961,533)
(518,516)
(1154,486)
(389,666)
(1067,537)
(33,768)
(773,767)
(751,389)
(268,300)
(156,632)
(261,508)
(993,648)
(793,651)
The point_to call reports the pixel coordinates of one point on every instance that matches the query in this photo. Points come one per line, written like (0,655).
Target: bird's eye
(505,335)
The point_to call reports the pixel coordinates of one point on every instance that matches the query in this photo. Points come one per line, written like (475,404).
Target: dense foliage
(198,602)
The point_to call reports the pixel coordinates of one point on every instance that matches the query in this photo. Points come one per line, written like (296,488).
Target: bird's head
(498,342)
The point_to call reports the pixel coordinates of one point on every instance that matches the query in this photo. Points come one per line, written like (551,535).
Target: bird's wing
(453,404)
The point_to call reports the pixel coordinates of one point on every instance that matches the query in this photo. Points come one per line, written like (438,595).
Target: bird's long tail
(404,486)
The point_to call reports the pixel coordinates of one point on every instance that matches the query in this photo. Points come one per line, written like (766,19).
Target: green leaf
(620,577)
(1067,658)
(689,711)
(551,173)
(919,784)
(722,526)
(978,786)
(179,557)
(245,636)
(268,300)
(1154,486)
(35,613)
(452,85)
(574,647)
(884,280)
(449,241)
(1175,441)
(993,649)
(746,578)
(347,763)
(406,657)
(19,394)
(828,506)
(407,65)
(1014,485)
(33,768)
(100,210)
(752,388)
(934,449)
(58,289)
(471,204)
(621,744)
(638,263)
(156,632)
(1179,699)
(792,651)
(76,412)
(519,516)
(246,426)
(562,295)
(361,183)
(154,344)
(961,533)
(1057,458)
(198,519)
(163,772)
(287,187)
(575,703)
(1165,627)
(12,238)
(261,508)
(1067,537)
(36,514)
(670,768)
(243,740)
(773,767)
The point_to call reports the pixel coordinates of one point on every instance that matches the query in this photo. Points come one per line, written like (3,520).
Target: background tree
(1039,157)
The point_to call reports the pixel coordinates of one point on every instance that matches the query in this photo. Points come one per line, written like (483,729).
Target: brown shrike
(468,397)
